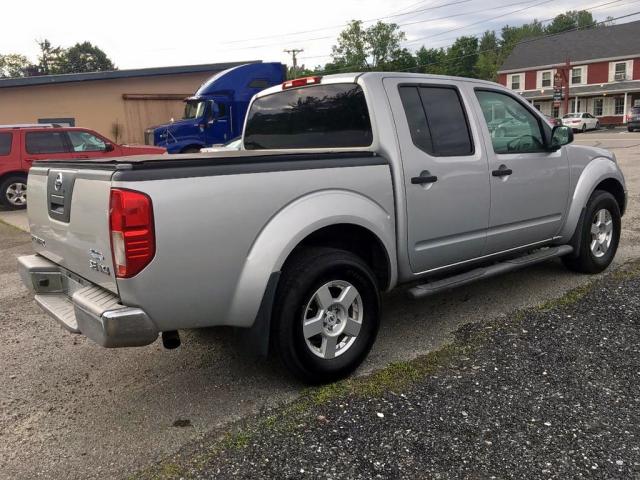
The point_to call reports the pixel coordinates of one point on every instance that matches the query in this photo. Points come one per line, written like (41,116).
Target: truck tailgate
(69,220)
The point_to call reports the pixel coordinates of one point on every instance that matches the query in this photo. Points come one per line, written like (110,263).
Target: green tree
(49,58)
(488,56)
(376,47)
(15,65)
(570,20)
(382,43)
(431,60)
(85,57)
(462,57)
(351,49)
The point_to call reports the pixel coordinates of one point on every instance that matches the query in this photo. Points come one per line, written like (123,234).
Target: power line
(595,25)
(456,15)
(435,7)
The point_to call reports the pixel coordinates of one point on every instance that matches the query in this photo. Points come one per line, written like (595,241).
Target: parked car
(215,113)
(633,119)
(235,144)
(581,121)
(348,185)
(21,145)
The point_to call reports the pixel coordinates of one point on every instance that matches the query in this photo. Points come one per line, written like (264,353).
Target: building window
(621,71)
(546,79)
(619,106)
(598,106)
(576,76)
(555,112)
(515,82)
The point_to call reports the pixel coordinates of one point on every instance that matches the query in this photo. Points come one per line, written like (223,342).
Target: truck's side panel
(195,241)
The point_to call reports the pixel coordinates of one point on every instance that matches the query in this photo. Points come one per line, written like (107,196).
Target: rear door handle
(502,172)
(422,180)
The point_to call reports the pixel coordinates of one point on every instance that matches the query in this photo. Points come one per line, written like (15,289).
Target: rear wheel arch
(355,239)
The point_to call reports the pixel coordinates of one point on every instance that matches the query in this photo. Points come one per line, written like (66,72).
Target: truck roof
(354,76)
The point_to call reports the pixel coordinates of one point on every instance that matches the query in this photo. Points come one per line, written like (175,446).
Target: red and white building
(600,67)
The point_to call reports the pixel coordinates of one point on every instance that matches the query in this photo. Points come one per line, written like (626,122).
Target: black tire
(191,150)
(584,128)
(586,261)
(303,275)
(7,192)
(629,129)
(597,125)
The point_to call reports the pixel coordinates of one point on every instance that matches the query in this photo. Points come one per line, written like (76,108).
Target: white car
(581,121)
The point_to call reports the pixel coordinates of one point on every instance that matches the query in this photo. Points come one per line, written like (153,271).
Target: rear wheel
(599,236)
(584,128)
(13,191)
(326,314)
(191,150)
(597,125)
(629,129)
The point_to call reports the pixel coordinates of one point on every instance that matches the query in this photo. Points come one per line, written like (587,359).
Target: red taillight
(133,241)
(301,82)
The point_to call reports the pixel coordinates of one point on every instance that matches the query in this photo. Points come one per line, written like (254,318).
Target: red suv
(20,145)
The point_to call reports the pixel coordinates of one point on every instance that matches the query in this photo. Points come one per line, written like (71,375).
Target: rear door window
(321,116)
(5,143)
(47,142)
(437,120)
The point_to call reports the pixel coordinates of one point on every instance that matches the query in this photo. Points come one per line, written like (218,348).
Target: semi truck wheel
(13,192)
(599,236)
(326,314)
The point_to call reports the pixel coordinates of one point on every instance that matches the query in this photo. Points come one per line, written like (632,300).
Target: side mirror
(560,135)
(108,147)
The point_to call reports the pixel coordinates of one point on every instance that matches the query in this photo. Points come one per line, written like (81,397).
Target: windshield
(572,115)
(194,109)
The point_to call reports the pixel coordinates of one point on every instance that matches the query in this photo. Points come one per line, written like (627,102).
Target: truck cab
(215,113)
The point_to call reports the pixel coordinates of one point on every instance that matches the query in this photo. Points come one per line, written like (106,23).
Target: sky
(141,33)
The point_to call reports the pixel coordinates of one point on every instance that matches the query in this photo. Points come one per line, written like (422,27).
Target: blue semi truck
(215,114)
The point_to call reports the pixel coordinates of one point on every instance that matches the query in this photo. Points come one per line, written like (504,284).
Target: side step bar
(426,289)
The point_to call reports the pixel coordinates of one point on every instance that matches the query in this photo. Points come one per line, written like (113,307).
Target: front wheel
(597,125)
(600,235)
(13,191)
(326,314)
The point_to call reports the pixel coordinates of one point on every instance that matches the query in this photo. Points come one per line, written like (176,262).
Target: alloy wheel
(332,319)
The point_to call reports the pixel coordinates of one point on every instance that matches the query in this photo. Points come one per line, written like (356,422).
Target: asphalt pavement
(82,411)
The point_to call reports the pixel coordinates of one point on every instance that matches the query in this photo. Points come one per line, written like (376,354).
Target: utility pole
(294,52)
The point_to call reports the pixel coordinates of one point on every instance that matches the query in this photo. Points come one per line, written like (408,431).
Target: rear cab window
(47,142)
(319,116)
(5,143)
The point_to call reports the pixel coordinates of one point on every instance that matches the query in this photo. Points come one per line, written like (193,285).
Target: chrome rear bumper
(83,307)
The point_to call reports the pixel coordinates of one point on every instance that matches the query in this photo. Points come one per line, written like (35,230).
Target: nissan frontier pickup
(346,186)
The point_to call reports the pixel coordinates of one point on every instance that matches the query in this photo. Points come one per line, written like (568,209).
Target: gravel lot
(87,412)
(548,393)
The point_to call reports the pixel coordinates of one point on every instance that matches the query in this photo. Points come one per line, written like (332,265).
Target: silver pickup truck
(347,186)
